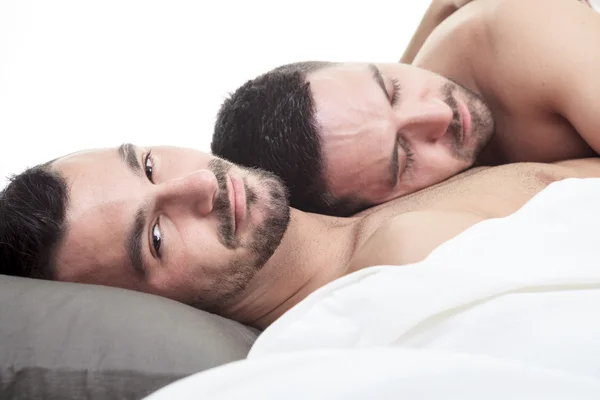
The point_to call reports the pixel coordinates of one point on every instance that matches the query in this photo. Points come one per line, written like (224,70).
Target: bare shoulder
(410,237)
(456,38)
(525,36)
(459,47)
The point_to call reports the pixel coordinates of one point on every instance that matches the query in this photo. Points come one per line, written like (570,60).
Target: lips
(465,121)
(237,199)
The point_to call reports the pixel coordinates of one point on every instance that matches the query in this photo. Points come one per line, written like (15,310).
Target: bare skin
(181,242)
(408,229)
(543,105)
(434,215)
(496,82)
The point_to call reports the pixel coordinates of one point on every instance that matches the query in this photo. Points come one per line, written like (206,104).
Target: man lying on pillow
(189,226)
(498,81)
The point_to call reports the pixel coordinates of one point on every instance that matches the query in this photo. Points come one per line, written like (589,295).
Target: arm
(554,56)
(578,72)
(436,13)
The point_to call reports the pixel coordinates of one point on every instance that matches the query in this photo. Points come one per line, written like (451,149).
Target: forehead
(99,186)
(356,126)
(93,177)
(345,95)
(104,196)
(101,177)
(341,78)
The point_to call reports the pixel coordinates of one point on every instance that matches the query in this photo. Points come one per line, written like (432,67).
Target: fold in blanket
(525,287)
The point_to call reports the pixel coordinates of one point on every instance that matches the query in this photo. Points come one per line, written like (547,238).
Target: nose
(194,193)
(427,120)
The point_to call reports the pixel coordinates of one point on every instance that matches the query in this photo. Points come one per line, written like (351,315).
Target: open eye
(149,166)
(156,239)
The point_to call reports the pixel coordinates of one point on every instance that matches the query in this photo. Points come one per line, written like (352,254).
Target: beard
(264,239)
(482,122)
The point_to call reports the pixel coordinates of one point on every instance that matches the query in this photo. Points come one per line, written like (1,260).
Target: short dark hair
(269,123)
(32,222)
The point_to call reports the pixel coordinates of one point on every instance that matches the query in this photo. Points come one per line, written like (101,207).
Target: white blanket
(379,374)
(508,307)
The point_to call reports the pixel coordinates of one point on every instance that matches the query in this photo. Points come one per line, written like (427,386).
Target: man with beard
(189,226)
(498,81)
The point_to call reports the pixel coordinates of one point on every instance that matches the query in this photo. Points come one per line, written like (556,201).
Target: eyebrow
(128,153)
(133,242)
(378,79)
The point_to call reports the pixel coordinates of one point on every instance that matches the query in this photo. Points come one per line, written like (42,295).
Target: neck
(315,250)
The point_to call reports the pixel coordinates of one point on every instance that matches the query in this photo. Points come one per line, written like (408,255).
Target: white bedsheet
(380,374)
(525,287)
(508,309)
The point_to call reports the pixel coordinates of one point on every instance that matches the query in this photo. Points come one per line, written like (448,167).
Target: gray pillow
(74,341)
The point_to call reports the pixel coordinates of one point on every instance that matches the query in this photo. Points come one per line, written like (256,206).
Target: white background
(77,74)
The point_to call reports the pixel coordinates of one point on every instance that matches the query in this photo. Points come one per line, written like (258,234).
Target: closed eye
(395,91)
(409,155)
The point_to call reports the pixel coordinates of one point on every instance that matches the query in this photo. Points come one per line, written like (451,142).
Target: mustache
(222,205)
(455,126)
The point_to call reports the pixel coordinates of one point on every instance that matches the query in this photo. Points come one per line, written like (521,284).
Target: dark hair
(269,123)
(32,222)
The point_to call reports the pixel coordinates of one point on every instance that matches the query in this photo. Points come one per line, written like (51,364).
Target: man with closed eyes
(483,82)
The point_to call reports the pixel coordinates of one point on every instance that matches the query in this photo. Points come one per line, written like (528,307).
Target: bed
(507,309)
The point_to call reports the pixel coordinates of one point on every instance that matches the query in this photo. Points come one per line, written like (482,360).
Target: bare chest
(493,192)
(407,229)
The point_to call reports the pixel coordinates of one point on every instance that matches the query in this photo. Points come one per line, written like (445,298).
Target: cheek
(176,164)
(437,157)
(435,164)
(191,250)
(200,245)
(360,153)
(359,170)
